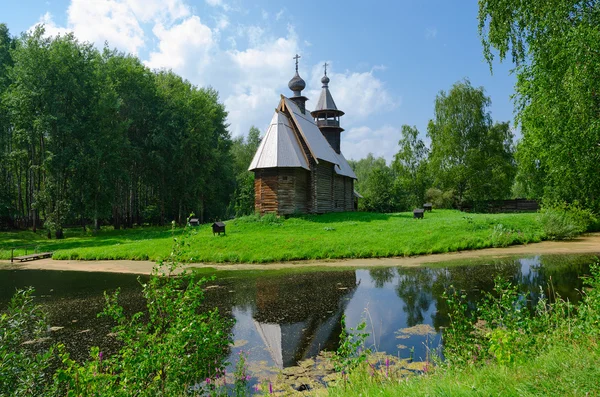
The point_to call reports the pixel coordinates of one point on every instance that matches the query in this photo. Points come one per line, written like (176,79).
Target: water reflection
(282,318)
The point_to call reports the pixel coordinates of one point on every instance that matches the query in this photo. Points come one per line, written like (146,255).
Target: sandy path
(586,244)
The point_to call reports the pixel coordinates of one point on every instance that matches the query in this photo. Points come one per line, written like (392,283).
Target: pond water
(283,317)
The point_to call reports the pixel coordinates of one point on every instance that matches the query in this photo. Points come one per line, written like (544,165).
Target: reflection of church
(300,316)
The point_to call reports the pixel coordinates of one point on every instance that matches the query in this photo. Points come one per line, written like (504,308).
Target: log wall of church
(339,193)
(281,190)
(266,183)
(323,186)
(292,191)
(349,194)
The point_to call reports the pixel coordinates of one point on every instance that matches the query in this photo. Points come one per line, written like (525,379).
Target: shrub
(22,372)
(561,223)
(440,199)
(165,351)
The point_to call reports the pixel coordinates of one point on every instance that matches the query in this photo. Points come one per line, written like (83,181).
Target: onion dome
(297,84)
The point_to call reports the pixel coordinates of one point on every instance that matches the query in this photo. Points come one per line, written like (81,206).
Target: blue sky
(388,59)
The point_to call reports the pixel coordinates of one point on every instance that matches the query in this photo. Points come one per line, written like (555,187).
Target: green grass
(566,369)
(331,236)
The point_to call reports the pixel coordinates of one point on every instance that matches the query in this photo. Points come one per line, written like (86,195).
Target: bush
(440,199)
(566,222)
(165,351)
(22,372)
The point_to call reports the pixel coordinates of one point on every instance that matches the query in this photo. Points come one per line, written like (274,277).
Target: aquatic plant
(351,351)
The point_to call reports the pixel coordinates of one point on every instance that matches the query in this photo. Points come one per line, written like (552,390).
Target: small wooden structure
(28,257)
(194,222)
(218,228)
(427,206)
(418,213)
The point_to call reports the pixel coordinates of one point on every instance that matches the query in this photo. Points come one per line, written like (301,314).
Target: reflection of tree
(381,276)
(414,288)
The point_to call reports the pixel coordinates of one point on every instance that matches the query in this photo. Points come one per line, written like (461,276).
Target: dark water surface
(283,317)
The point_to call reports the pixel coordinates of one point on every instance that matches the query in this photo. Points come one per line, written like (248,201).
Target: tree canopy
(470,155)
(89,135)
(555,45)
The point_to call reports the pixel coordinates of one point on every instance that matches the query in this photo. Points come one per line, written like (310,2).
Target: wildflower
(100,355)
(270,388)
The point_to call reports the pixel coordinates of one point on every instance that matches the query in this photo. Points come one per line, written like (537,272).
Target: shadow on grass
(338,217)
(39,242)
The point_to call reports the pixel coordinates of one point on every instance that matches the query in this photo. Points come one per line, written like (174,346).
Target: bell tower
(327,116)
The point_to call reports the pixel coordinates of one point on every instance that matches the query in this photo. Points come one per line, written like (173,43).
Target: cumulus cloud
(183,45)
(250,66)
(50,26)
(360,94)
(118,22)
(357,142)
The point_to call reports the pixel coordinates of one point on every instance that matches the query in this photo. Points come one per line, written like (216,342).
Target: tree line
(91,137)
(470,159)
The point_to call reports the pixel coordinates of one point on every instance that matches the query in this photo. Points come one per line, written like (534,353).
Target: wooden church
(298,167)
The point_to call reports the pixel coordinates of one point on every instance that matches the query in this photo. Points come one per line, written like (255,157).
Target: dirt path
(587,244)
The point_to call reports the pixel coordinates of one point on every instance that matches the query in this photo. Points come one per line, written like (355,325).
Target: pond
(283,317)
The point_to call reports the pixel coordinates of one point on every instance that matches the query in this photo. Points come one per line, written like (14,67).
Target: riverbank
(587,244)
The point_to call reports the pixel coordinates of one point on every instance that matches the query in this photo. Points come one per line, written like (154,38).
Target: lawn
(331,236)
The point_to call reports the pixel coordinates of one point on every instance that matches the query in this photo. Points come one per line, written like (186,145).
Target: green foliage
(505,347)
(376,183)
(23,372)
(410,167)
(469,154)
(351,351)
(440,199)
(243,150)
(88,135)
(555,46)
(241,377)
(165,351)
(564,221)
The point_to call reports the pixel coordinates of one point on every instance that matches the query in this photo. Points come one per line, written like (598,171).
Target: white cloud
(51,28)
(117,22)
(222,22)
(360,141)
(250,67)
(183,46)
(279,15)
(359,94)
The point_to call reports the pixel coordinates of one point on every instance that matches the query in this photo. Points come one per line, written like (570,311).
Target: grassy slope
(345,235)
(568,369)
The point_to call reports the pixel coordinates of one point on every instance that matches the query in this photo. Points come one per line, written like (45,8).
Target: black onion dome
(297,83)
(325,80)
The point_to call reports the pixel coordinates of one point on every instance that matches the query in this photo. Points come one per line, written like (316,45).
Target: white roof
(315,140)
(279,147)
